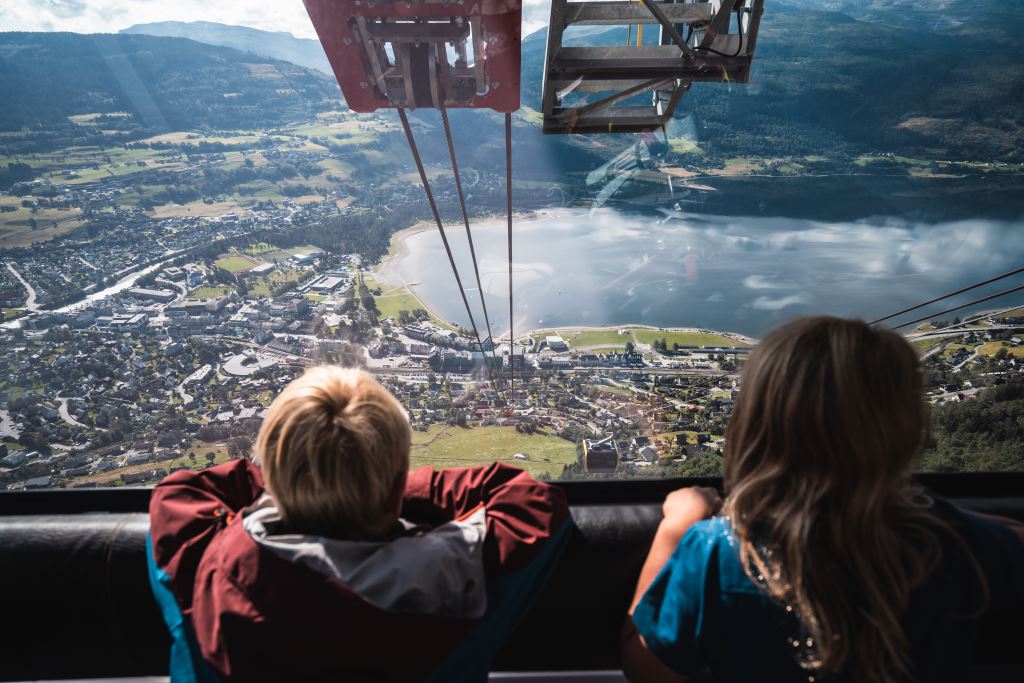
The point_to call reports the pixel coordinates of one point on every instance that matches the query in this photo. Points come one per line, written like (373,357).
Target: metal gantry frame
(416,54)
(694,45)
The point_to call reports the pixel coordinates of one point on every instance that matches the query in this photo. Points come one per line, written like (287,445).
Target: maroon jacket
(258,614)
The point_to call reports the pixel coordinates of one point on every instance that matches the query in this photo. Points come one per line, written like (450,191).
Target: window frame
(600,492)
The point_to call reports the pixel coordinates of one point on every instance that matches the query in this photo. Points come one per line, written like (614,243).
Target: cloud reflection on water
(730,273)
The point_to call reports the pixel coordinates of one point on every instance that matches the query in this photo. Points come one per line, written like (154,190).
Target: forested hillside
(898,76)
(163,84)
(939,81)
(982,435)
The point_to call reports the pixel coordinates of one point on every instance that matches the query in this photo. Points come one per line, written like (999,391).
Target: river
(741,273)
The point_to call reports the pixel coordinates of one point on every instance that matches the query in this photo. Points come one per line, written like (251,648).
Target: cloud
(764,303)
(110,16)
(761,282)
(535,15)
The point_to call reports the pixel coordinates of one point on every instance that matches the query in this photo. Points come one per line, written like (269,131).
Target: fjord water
(741,273)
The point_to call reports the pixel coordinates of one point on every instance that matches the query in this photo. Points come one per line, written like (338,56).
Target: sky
(110,16)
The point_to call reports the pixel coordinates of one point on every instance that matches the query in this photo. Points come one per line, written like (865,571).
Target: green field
(394,299)
(922,345)
(950,349)
(610,338)
(581,338)
(233,264)
(645,336)
(257,248)
(207,292)
(992,348)
(262,285)
(445,446)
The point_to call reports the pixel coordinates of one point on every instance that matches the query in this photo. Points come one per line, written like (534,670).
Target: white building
(556,343)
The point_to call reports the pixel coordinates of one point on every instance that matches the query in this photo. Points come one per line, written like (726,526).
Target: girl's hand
(691,504)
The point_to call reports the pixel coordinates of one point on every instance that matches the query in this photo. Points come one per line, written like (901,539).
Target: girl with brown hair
(825,560)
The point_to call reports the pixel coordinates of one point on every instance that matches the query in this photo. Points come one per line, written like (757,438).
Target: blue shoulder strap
(186,665)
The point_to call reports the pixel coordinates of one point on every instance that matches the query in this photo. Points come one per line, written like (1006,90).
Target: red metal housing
(417,53)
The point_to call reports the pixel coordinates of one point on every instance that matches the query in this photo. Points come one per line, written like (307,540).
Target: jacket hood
(437,572)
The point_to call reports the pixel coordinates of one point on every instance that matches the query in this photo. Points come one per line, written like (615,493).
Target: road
(30,303)
(7,425)
(66,416)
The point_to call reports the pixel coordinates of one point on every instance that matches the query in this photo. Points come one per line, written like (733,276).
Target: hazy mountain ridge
(166,83)
(275,44)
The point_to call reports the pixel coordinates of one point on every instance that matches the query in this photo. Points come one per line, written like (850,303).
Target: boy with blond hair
(331,561)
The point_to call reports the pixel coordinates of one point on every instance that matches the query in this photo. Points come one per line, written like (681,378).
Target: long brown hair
(817,465)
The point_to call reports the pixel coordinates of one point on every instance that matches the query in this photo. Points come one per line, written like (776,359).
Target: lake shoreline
(386,272)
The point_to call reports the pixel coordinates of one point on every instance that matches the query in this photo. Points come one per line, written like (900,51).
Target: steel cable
(469,232)
(508,213)
(946,296)
(444,236)
(957,308)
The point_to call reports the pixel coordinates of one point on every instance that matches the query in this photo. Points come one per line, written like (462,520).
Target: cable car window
(557,252)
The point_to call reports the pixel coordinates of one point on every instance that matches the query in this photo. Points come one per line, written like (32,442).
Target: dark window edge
(599,492)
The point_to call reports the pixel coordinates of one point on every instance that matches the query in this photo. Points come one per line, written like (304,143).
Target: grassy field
(234,264)
(922,345)
(16,226)
(950,349)
(618,391)
(263,284)
(444,446)
(395,299)
(581,338)
(992,348)
(207,292)
(684,146)
(645,336)
(257,248)
(200,448)
(196,208)
(610,338)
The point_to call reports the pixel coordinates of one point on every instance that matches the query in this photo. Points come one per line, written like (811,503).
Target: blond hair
(817,469)
(334,448)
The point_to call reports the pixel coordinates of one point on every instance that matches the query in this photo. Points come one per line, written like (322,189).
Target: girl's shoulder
(710,548)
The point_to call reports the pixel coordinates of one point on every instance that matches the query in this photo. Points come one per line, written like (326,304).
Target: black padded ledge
(76,602)
(586,492)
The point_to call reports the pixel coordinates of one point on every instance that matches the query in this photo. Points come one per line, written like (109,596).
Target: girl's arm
(1013,525)
(682,509)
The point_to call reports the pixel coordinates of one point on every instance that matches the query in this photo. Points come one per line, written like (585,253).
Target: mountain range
(831,77)
(275,44)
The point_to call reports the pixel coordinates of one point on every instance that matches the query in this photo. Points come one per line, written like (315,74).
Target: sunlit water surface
(741,274)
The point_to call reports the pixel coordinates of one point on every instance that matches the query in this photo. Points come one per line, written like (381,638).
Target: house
(43,482)
(640,441)
(600,455)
